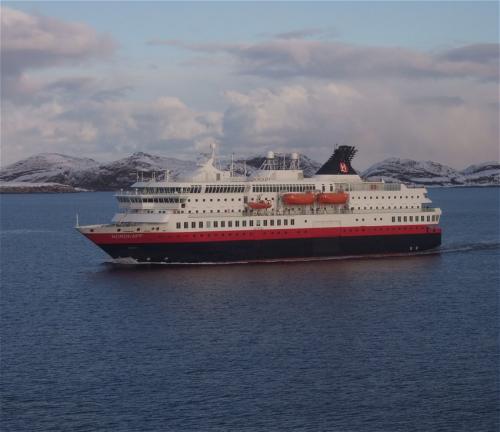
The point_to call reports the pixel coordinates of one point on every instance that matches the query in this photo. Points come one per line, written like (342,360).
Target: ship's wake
(444,249)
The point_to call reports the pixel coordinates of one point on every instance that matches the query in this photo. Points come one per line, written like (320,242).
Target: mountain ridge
(88,174)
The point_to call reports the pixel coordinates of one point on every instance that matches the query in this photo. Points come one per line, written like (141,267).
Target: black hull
(267,250)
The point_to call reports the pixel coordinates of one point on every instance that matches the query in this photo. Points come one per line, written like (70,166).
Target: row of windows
(283,188)
(218,199)
(236,224)
(383,197)
(434,218)
(132,199)
(383,208)
(225,189)
(171,190)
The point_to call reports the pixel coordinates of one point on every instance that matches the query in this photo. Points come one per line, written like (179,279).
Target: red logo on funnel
(343,168)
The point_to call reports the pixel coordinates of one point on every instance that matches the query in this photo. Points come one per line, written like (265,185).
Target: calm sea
(368,344)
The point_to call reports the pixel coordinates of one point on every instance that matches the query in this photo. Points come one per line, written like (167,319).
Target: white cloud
(106,128)
(284,58)
(313,118)
(35,41)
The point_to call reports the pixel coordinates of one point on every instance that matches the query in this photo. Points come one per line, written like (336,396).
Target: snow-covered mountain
(47,168)
(428,173)
(89,174)
(414,172)
(486,173)
(123,172)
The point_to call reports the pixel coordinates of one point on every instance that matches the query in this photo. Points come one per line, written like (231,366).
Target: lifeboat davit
(299,198)
(259,205)
(333,198)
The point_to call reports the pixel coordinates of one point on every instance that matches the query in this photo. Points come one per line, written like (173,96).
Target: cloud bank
(306,95)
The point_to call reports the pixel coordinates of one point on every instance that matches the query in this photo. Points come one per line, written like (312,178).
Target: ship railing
(369,186)
(151,194)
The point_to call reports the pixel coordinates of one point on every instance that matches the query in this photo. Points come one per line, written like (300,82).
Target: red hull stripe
(257,234)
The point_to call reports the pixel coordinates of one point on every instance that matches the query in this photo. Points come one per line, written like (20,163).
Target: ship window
(138,229)
(264,222)
(278,222)
(285,221)
(405,219)
(186,225)
(236,224)
(222,224)
(258,223)
(271,222)
(250,222)
(209,224)
(178,225)
(193,224)
(200,224)
(244,223)
(216,224)
(411,218)
(399,218)
(230,224)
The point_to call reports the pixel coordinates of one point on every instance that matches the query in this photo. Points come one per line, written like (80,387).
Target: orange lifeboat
(333,198)
(259,205)
(299,198)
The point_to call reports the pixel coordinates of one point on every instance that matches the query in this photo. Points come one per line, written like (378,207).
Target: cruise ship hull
(270,249)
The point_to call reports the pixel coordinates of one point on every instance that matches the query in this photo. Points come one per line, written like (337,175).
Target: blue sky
(229,72)
(424,25)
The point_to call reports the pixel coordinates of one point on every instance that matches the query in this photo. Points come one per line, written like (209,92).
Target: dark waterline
(367,344)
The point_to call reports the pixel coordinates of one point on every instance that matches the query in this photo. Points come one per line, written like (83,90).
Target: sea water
(407,343)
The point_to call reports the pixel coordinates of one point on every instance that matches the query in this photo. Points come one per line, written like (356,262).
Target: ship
(218,216)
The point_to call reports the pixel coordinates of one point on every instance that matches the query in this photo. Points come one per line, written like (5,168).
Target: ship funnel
(339,162)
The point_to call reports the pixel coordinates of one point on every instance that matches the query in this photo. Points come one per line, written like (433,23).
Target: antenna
(77,222)
(212,147)
(231,171)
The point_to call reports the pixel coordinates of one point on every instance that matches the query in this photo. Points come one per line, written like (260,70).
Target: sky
(400,79)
